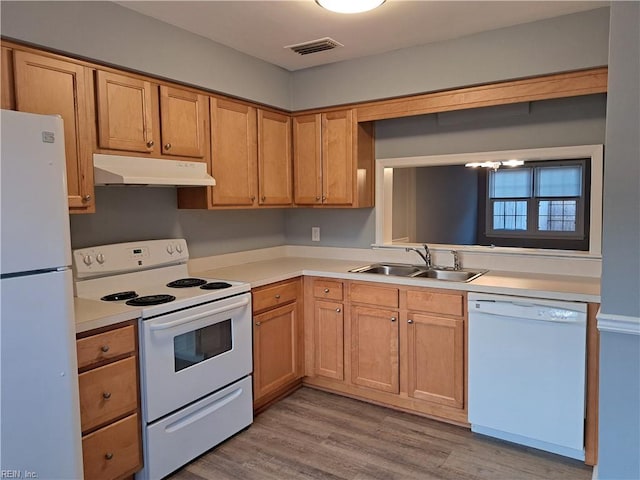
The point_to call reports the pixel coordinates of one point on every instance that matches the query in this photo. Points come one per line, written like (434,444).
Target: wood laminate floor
(317,435)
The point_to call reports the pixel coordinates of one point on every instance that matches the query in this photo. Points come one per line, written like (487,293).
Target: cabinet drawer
(108,392)
(113,450)
(105,346)
(328,289)
(374,295)
(436,302)
(269,297)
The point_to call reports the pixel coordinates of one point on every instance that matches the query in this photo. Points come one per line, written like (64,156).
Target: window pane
(510,183)
(557,215)
(565,181)
(510,215)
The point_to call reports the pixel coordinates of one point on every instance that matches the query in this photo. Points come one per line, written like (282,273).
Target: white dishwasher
(527,371)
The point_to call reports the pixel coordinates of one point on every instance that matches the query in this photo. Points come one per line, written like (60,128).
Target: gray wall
(619,435)
(126,214)
(447,205)
(338,227)
(107,32)
(570,42)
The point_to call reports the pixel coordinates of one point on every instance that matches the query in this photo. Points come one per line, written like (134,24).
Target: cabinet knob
(253,197)
(258,324)
(106,395)
(409,321)
(167,146)
(277,296)
(338,310)
(317,199)
(108,456)
(86,198)
(264,198)
(393,319)
(326,290)
(105,348)
(324,198)
(150,143)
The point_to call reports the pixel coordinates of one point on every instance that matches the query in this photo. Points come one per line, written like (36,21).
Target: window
(543,200)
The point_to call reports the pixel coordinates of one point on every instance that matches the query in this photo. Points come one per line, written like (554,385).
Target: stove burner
(150,300)
(215,286)
(114,297)
(186,283)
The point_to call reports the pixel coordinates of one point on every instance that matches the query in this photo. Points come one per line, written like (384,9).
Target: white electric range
(195,345)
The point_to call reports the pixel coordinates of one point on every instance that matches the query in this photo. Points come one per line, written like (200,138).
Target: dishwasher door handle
(531,312)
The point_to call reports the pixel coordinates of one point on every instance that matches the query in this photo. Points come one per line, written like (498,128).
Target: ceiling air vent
(315,46)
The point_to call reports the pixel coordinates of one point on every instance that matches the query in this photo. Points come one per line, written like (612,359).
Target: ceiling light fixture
(350,6)
(495,165)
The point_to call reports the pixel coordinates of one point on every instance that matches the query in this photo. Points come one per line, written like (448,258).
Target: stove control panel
(128,257)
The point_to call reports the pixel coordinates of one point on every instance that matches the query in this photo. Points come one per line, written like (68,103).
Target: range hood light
(350,6)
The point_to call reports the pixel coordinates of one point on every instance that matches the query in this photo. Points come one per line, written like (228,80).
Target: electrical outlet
(315,234)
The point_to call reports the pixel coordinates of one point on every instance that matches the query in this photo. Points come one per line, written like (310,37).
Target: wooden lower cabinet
(435,359)
(374,349)
(400,346)
(328,330)
(109,402)
(277,341)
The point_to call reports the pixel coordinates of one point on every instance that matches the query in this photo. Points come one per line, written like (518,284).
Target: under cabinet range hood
(119,170)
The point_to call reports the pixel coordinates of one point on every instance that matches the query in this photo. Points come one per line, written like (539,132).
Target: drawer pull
(277,296)
(108,455)
(258,324)
(326,290)
(106,395)
(338,310)
(105,348)
(409,321)
(393,319)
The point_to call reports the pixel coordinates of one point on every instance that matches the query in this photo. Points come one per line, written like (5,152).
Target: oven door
(193,352)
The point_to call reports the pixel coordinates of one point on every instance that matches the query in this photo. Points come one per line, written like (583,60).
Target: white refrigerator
(40,433)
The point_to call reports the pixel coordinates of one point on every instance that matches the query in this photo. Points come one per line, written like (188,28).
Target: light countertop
(91,314)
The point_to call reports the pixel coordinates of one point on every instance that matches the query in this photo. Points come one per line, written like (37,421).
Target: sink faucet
(456,260)
(426,256)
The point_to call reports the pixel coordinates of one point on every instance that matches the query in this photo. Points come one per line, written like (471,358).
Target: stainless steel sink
(397,269)
(416,271)
(450,275)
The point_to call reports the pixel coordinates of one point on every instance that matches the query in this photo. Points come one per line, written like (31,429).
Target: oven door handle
(192,318)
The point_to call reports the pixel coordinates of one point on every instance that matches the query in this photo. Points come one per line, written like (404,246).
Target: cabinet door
(275,349)
(234,152)
(124,113)
(274,158)
(307,160)
(184,117)
(374,349)
(53,87)
(329,340)
(435,354)
(337,158)
(6,82)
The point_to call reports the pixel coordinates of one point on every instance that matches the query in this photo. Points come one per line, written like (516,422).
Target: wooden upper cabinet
(337,158)
(234,153)
(333,160)
(124,111)
(307,160)
(183,120)
(274,158)
(6,82)
(54,87)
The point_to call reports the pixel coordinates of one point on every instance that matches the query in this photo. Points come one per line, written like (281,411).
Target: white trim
(595,152)
(594,475)
(608,322)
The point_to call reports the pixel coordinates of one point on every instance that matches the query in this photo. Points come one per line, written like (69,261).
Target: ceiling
(263,28)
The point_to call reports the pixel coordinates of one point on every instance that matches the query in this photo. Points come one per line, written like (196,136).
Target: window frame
(533,204)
